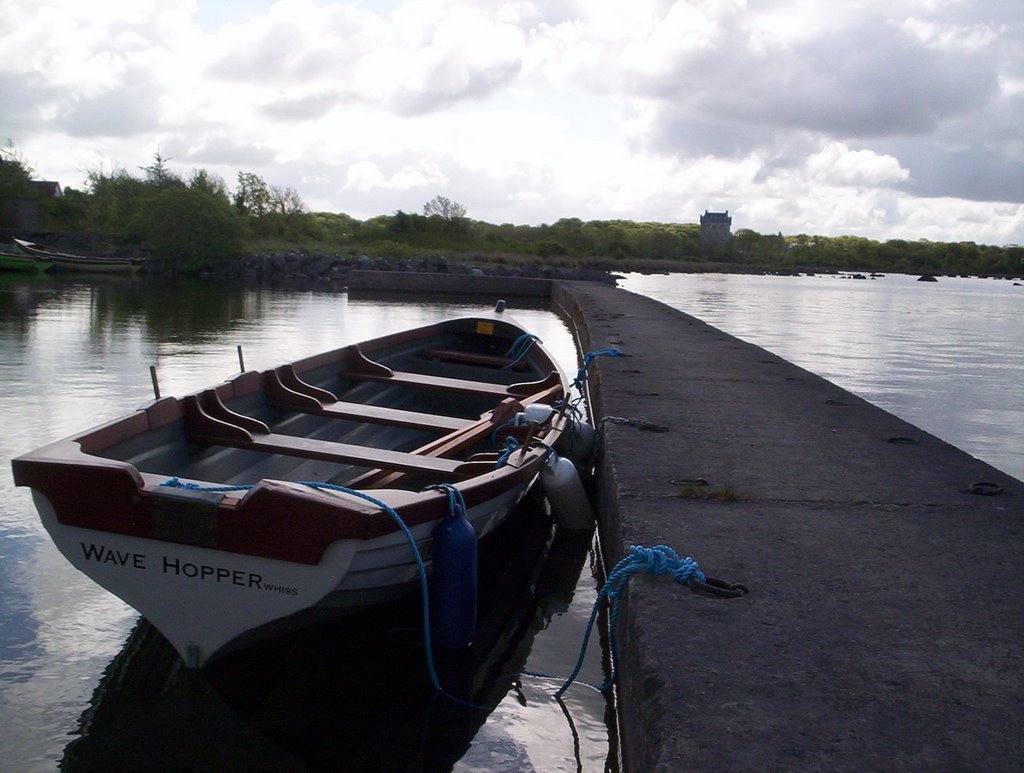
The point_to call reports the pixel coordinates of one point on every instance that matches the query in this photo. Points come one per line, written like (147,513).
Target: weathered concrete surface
(884,627)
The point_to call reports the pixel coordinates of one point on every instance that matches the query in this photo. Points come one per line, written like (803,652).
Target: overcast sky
(888,119)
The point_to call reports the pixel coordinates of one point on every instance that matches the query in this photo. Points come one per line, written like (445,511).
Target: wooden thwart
(209,421)
(470,358)
(367,370)
(285,390)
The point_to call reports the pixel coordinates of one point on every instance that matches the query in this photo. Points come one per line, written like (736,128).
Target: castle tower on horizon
(715,228)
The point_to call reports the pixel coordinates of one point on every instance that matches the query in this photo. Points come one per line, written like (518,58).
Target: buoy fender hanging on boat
(578,442)
(454,580)
(565,493)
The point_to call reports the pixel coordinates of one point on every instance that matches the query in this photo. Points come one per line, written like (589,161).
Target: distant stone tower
(715,228)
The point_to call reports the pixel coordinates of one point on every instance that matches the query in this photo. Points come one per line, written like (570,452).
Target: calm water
(947,356)
(75,668)
(75,354)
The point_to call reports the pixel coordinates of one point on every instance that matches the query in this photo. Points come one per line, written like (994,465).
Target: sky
(894,119)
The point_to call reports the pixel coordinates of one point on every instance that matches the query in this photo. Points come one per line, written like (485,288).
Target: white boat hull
(203,599)
(168,582)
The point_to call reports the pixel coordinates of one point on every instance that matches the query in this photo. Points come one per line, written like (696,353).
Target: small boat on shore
(285,496)
(20,261)
(64,261)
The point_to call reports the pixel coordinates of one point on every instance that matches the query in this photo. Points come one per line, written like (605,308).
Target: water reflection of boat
(337,697)
(241,509)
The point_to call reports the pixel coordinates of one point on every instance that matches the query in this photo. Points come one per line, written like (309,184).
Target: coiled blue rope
(660,559)
(520,347)
(510,447)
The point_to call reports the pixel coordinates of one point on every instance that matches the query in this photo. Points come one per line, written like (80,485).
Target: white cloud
(863,118)
(951,37)
(836,164)
(364,176)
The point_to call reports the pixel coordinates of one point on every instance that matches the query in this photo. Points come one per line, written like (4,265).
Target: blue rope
(176,483)
(424,591)
(519,349)
(507,425)
(511,445)
(573,407)
(581,374)
(660,559)
(454,496)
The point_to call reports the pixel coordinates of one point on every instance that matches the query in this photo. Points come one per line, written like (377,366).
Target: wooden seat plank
(209,422)
(347,453)
(455,385)
(470,358)
(376,414)
(286,396)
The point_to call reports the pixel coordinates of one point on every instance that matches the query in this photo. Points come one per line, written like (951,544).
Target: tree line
(197,222)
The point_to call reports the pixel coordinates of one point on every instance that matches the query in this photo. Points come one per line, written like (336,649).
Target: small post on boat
(531,432)
(241,359)
(156,384)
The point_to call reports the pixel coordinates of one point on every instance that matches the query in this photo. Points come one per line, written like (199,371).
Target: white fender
(564,490)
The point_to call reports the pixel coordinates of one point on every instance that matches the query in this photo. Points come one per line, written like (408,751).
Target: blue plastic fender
(454,581)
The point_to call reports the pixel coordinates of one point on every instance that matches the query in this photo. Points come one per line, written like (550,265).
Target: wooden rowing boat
(65,261)
(273,498)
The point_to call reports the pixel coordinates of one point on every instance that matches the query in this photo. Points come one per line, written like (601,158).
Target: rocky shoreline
(303,266)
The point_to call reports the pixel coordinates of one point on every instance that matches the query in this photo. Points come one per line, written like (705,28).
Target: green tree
(450,211)
(117,201)
(158,175)
(252,197)
(15,183)
(69,212)
(15,173)
(213,184)
(194,226)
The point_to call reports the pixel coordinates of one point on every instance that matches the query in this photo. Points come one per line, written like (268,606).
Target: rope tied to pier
(581,374)
(657,560)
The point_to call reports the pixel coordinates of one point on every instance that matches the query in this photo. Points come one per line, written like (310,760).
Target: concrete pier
(884,625)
